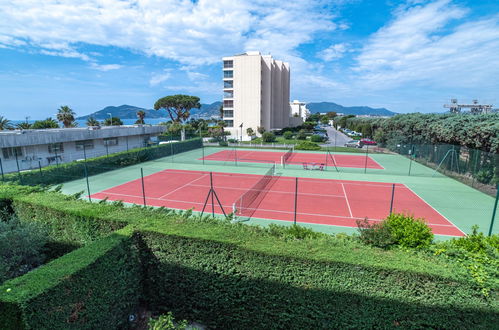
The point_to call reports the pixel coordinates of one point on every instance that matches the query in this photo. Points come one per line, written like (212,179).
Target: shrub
(166,322)
(307,145)
(288,135)
(301,135)
(293,232)
(376,234)
(21,247)
(409,232)
(232,140)
(223,143)
(317,138)
(268,137)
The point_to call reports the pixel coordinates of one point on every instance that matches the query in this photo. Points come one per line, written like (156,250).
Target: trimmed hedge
(95,287)
(55,174)
(224,276)
(221,285)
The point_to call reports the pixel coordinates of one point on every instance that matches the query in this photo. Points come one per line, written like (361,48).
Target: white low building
(29,149)
(299,109)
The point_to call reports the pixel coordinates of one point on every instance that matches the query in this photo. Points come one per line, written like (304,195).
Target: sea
(83,122)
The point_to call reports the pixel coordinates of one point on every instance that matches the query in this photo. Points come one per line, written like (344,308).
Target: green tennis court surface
(462,205)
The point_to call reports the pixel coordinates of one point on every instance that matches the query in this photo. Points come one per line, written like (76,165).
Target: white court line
(346,198)
(260,209)
(185,185)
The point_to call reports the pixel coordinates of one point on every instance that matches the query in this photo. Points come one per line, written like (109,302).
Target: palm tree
(222,124)
(4,123)
(24,125)
(91,121)
(66,115)
(250,131)
(113,121)
(140,115)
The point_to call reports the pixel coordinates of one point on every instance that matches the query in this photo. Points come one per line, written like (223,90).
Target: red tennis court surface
(320,201)
(297,158)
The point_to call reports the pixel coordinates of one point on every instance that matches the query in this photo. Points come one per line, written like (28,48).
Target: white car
(353,144)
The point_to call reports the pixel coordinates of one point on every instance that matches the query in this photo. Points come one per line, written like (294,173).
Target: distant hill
(357,110)
(130,112)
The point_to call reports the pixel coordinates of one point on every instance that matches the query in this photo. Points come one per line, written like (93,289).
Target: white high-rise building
(299,109)
(256,93)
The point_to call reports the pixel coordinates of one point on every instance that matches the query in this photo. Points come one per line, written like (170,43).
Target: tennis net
(247,204)
(286,156)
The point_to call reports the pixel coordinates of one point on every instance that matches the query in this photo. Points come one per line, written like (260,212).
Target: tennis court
(295,158)
(319,201)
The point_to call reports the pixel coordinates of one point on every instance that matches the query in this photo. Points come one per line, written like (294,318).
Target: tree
(288,135)
(66,115)
(24,125)
(140,115)
(222,124)
(4,123)
(268,137)
(47,123)
(178,106)
(301,135)
(113,121)
(331,114)
(91,121)
(221,111)
(325,120)
(260,129)
(250,131)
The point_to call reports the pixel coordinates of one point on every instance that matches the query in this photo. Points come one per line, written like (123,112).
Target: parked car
(367,142)
(353,144)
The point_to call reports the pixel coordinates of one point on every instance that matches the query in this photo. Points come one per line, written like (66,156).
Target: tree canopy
(178,106)
(66,115)
(113,121)
(47,123)
(4,123)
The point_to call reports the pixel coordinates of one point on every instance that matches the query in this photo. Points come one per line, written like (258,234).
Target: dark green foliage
(316,138)
(223,144)
(113,121)
(166,322)
(268,137)
(397,229)
(307,145)
(47,123)
(292,232)
(95,287)
(76,170)
(221,285)
(302,135)
(21,247)
(288,135)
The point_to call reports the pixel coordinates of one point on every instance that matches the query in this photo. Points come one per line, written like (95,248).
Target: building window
(9,153)
(111,141)
(228,74)
(230,123)
(228,104)
(228,113)
(229,84)
(56,148)
(228,94)
(87,144)
(228,64)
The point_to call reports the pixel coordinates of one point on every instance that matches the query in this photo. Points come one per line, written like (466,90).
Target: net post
(234,212)
(367,155)
(143,186)
(212,197)
(1,170)
(391,200)
(494,211)
(282,161)
(296,200)
(410,160)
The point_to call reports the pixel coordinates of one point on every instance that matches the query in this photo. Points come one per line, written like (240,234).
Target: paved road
(333,134)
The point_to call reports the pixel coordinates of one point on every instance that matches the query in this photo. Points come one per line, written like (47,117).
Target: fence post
(296,200)
(40,168)
(88,184)
(391,201)
(1,169)
(56,157)
(18,169)
(367,155)
(143,187)
(127,143)
(107,148)
(494,211)
(84,152)
(410,160)
(477,152)
(212,197)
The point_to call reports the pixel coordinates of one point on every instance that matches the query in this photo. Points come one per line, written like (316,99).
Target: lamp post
(241,126)
(111,118)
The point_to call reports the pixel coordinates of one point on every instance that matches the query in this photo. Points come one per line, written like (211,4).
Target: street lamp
(241,126)
(111,118)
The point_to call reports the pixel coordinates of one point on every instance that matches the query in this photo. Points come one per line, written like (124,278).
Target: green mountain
(130,112)
(356,110)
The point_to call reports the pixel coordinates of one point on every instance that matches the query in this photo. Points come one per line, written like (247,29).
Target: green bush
(301,135)
(166,322)
(288,135)
(268,137)
(307,145)
(316,138)
(223,144)
(409,232)
(375,233)
(22,247)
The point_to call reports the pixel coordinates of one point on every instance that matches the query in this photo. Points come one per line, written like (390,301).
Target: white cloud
(431,45)
(191,32)
(105,67)
(157,79)
(333,52)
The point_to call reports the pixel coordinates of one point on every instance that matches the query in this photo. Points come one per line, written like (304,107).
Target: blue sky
(403,55)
